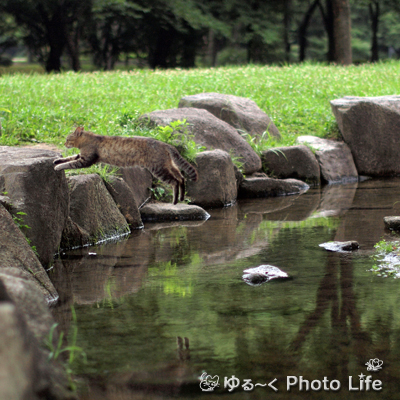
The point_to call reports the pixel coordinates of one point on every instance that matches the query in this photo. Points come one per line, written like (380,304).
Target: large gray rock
(93,209)
(240,112)
(17,258)
(125,201)
(211,132)
(216,185)
(27,176)
(335,159)
(268,187)
(26,372)
(297,162)
(371,128)
(171,212)
(74,236)
(18,358)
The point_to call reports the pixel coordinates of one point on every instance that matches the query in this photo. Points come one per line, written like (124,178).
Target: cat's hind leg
(182,189)
(176,191)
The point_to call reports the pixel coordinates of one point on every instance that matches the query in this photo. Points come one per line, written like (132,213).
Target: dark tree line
(176,33)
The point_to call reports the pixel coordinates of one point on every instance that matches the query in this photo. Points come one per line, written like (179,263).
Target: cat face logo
(208,383)
(374,364)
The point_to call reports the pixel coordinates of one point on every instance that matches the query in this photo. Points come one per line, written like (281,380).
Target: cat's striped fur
(161,159)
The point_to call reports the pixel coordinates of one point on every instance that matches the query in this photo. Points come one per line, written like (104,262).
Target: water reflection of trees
(336,294)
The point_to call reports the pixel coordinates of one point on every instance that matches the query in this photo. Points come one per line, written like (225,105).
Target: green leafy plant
(19,221)
(260,143)
(237,161)
(384,246)
(387,259)
(56,347)
(105,171)
(161,192)
(3,110)
(176,133)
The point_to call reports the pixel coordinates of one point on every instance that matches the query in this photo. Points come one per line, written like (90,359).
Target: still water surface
(156,310)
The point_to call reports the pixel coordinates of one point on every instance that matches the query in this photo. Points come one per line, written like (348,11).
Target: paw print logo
(208,383)
(374,364)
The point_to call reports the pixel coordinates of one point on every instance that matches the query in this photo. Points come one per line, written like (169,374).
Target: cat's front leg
(66,159)
(77,162)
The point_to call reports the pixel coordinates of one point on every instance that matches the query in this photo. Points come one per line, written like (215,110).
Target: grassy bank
(44,108)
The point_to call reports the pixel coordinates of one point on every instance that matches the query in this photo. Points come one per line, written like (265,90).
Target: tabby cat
(161,159)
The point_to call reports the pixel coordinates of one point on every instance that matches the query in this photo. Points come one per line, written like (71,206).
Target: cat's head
(73,138)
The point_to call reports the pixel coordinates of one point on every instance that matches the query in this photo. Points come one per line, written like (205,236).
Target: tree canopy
(188,33)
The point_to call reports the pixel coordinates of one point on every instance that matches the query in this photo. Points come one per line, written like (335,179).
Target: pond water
(156,310)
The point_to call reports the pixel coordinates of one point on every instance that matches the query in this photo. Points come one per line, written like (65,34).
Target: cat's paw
(59,167)
(58,161)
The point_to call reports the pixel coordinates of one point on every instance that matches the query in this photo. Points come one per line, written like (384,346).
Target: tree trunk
(73,51)
(190,42)
(158,56)
(374,13)
(327,17)
(303,30)
(256,52)
(287,12)
(56,36)
(211,48)
(342,31)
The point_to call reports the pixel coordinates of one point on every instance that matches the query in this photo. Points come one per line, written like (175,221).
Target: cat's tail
(183,164)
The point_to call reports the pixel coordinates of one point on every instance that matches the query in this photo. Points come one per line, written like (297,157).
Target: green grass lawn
(45,108)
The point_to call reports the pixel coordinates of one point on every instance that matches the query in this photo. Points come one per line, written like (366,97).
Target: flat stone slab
(264,273)
(268,187)
(370,127)
(170,212)
(335,159)
(240,112)
(340,247)
(392,223)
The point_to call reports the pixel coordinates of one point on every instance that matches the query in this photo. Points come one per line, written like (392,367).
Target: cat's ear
(78,131)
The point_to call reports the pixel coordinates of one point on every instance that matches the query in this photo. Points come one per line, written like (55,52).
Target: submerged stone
(269,187)
(264,273)
(340,247)
(392,223)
